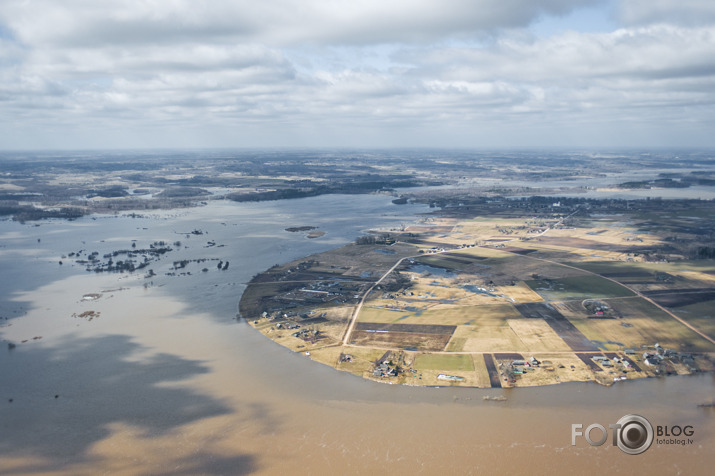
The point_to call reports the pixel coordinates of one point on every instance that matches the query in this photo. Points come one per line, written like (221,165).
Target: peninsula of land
(506,293)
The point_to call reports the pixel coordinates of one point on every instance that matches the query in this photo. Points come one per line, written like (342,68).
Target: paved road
(640,295)
(356,312)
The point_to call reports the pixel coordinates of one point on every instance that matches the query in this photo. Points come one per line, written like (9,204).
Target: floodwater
(167,381)
(602,187)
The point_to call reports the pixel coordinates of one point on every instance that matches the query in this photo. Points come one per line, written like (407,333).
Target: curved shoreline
(315,306)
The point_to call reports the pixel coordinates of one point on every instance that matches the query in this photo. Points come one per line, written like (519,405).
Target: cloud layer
(372,73)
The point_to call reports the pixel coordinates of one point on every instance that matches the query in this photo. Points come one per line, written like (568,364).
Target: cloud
(86,23)
(649,52)
(673,12)
(284,72)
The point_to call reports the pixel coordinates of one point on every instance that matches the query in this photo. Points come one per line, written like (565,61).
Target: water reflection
(59,401)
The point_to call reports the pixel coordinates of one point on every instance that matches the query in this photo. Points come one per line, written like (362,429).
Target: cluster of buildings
(659,359)
(433,250)
(321,292)
(306,333)
(606,362)
(661,355)
(519,367)
(385,367)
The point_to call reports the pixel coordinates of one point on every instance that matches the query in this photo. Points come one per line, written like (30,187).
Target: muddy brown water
(166,381)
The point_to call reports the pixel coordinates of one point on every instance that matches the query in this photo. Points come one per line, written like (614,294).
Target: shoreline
(363,308)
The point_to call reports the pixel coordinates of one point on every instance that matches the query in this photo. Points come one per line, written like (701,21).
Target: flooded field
(151,373)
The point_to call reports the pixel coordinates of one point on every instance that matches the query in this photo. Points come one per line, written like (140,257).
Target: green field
(626,271)
(440,263)
(649,325)
(444,362)
(700,315)
(578,287)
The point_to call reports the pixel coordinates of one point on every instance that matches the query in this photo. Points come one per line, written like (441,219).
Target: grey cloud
(82,23)
(421,20)
(215,68)
(190,58)
(659,51)
(676,12)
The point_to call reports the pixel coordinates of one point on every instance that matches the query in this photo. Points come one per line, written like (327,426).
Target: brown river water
(167,381)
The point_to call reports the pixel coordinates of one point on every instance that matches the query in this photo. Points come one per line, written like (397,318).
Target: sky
(88,74)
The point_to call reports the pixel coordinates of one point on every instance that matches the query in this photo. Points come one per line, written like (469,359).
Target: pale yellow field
(537,335)
(429,377)
(444,362)
(328,355)
(480,371)
(467,231)
(519,293)
(492,338)
(362,361)
(449,316)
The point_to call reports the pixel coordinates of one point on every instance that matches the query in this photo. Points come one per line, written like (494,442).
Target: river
(165,380)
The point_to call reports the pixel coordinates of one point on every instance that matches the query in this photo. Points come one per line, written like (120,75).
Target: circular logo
(635,434)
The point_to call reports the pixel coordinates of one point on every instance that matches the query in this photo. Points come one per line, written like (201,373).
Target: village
(501,301)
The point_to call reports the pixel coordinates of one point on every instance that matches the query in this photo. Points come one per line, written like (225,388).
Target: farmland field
(471,291)
(444,362)
(578,287)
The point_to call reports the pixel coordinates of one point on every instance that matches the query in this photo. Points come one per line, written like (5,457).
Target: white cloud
(397,72)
